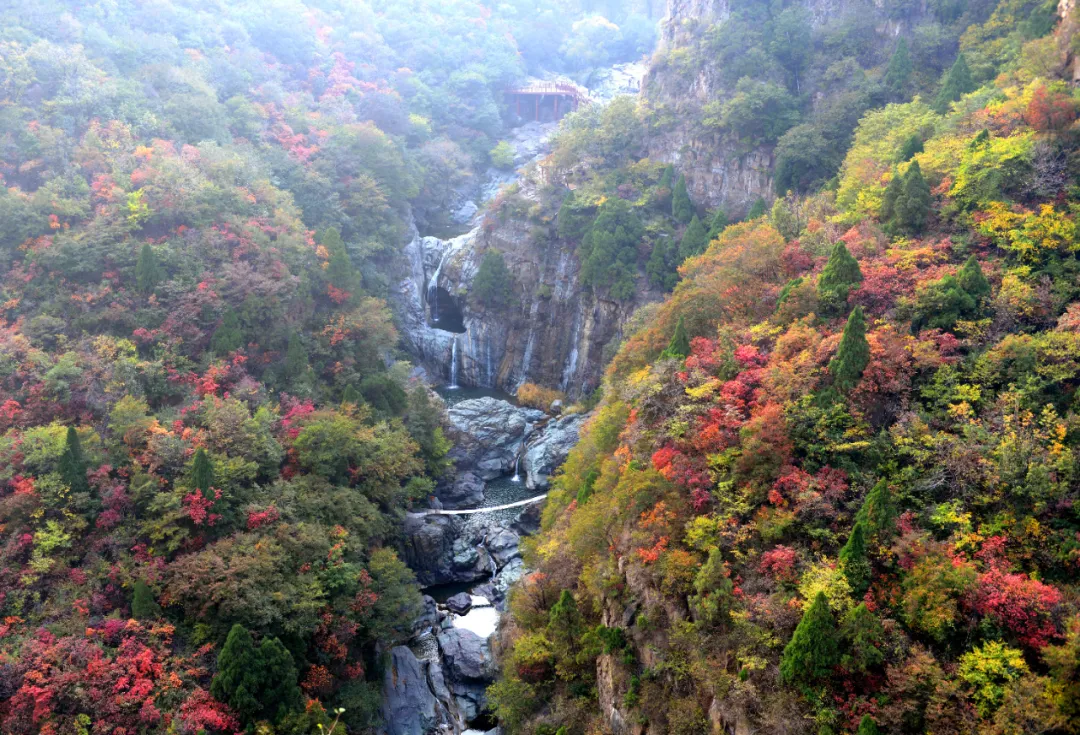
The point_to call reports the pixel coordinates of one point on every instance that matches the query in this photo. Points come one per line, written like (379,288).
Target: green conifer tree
(898,74)
(956,84)
(713,598)
(853,354)
(572,221)
(350,395)
(202,471)
(812,652)
(147,271)
(679,346)
(878,512)
(758,210)
(888,201)
(238,681)
(862,634)
(565,624)
(660,270)
(719,224)
(667,177)
(682,209)
(910,148)
(913,204)
(424,424)
(228,337)
(72,464)
(143,605)
(339,269)
(279,693)
(493,286)
(694,240)
(841,272)
(296,359)
(855,562)
(971,279)
(868,727)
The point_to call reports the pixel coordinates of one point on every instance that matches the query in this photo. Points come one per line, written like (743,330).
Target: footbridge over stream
(470,511)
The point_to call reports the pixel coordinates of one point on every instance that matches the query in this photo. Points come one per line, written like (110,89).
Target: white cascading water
(453,365)
(433,285)
(517,464)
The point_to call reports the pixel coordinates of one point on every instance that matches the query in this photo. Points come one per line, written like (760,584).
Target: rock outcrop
(488,435)
(409,707)
(434,549)
(547,452)
(469,668)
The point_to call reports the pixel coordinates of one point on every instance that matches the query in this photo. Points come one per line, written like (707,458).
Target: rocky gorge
(466,563)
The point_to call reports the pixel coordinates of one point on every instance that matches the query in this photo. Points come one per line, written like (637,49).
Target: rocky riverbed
(436,683)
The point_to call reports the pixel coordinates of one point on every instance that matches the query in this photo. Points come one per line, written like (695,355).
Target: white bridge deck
(469,511)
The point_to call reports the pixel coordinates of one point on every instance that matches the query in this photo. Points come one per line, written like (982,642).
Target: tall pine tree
(812,652)
(971,279)
(913,205)
(339,269)
(296,359)
(956,84)
(679,346)
(868,727)
(694,240)
(878,512)
(758,210)
(682,209)
(855,562)
(72,464)
(228,337)
(853,354)
(898,74)
(147,271)
(259,682)
(718,224)
(841,272)
(202,471)
(143,605)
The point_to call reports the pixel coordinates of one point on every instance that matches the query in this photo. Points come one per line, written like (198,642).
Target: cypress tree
(712,602)
(238,681)
(971,279)
(913,204)
(694,240)
(147,272)
(667,177)
(679,346)
(296,359)
(564,622)
(279,694)
(718,224)
(202,471)
(757,210)
(888,201)
(956,84)
(868,727)
(143,605)
(340,268)
(855,562)
(910,147)
(659,269)
(812,652)
(862,634)
(853,354)
(228,337)
(839,275)
(682,209)
(350,395)
(72,464)
(898,75)
(259,682)
(878,513)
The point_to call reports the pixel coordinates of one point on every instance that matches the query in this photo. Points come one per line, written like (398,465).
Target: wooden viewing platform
(541,93)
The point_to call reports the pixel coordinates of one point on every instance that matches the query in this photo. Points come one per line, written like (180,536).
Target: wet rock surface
(548,450)
(488,435)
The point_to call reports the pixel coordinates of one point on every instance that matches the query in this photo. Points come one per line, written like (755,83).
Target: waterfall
(572,360)
(517,463)
(433,284)
(453,365)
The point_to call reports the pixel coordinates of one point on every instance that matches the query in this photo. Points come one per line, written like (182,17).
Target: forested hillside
(831,486)
(208,437)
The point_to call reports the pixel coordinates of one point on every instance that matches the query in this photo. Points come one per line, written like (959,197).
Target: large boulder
(434,549)
(488,434)
(409,707)
(502,544)
(466,491)
(468,667)
(548,449)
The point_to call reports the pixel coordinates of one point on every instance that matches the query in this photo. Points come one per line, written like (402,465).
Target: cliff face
(720,171)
